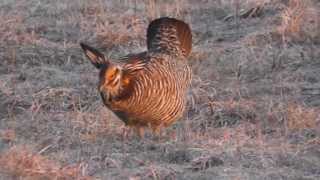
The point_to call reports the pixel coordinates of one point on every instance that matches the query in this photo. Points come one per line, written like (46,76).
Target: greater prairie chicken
(149,89)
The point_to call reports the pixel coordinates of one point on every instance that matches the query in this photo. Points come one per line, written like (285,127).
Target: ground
(253,107)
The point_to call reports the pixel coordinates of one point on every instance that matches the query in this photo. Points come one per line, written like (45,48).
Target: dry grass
(113,34)
(20,161)
(299,117)
(299,21)
(8,135)
(173,8)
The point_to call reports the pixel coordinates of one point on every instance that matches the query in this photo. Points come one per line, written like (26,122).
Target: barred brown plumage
(149,89)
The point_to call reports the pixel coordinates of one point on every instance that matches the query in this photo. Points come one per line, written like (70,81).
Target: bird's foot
(125,132)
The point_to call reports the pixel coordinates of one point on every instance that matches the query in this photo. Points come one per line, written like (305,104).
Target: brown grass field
(253,108)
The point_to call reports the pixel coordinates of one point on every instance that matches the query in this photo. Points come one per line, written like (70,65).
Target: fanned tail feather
(169,35)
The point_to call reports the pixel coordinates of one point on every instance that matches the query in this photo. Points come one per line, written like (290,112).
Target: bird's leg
(157,132)
(139,131)
(125,132)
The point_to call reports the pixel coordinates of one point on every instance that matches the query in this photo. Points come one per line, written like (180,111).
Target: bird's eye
(112,76)
(116,72)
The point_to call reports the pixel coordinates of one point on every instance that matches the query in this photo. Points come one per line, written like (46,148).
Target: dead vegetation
(299,117)
(253,109)
(22,162)
(299,21)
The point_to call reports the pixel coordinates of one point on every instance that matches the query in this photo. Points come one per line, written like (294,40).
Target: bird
(148,89)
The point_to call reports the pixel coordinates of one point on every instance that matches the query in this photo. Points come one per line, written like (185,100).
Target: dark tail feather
(170,35)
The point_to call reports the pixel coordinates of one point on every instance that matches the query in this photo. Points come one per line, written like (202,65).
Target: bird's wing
(135,62)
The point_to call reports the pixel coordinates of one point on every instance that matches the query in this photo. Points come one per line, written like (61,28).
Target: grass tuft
(21,162)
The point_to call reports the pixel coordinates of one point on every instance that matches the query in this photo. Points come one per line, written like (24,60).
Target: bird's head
(110,79)
(110,76)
